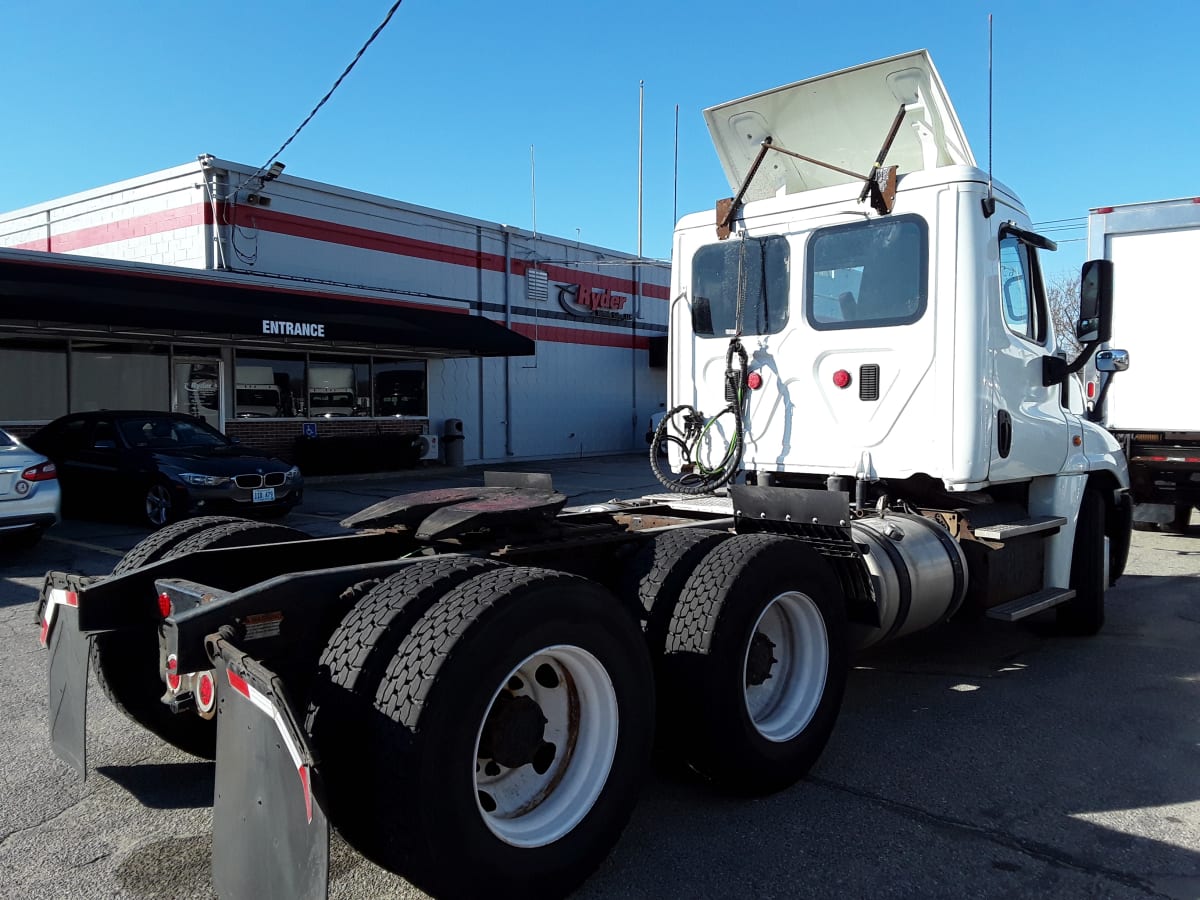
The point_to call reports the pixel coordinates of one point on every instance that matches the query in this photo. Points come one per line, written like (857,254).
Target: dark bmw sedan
(161,466)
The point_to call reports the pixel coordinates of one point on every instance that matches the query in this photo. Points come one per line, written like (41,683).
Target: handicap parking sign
(310,429)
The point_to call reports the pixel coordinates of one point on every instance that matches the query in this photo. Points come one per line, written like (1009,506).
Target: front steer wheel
(522,710)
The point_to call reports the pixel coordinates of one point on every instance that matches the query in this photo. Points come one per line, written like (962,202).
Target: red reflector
(841,378)
(205,690)
(754,381)
(172,664)
(303,770)
(173,682)
(164,604)
(1104,210)
(73,599)
(1091,390)
(239,684)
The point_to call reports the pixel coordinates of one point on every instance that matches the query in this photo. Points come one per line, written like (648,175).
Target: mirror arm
(1056,370)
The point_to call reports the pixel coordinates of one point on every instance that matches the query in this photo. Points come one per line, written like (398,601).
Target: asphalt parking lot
(974,760)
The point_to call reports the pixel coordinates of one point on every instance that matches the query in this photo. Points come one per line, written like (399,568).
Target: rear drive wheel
(126,662)
(341,704)
(755,662)
(159,543)
(523,719)
(1084,614)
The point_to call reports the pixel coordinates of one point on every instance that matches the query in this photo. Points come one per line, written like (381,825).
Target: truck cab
(906,351)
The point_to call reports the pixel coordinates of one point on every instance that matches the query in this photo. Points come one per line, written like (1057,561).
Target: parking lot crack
(1035,849)
(17,832)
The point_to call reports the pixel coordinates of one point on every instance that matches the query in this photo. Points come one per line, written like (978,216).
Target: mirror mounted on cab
(1094,326)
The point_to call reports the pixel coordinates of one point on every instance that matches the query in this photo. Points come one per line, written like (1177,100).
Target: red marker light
(173,679)
(754,381)
(205,691)
(164,604)
(841,378)
(1091,390)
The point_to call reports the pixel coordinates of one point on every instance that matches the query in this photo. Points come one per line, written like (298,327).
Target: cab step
(1033,603)
(1006,531)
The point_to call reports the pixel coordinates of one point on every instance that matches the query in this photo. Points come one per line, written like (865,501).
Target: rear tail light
(206,692)
(164,604)
(173,679)
(41,472)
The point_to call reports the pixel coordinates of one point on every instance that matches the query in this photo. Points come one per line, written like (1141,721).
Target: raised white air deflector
(1034,603)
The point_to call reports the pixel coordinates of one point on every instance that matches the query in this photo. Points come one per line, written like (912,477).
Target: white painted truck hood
(841,118)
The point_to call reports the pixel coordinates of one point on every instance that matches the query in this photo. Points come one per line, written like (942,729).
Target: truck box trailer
(469,683)
(1151,246)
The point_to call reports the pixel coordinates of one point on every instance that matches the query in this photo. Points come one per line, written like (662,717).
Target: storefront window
(339,386)
(119,376)
(269,386)
(400,388)
(34,376)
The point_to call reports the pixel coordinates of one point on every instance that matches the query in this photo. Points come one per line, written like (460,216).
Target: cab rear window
(750,274)
(868,274)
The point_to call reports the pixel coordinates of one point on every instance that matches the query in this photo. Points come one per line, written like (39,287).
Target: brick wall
(278,438)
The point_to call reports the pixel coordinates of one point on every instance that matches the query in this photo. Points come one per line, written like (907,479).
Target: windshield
(6,439)
(165,433)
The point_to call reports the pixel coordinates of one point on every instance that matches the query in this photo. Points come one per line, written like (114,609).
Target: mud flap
(270,832)
(69,652)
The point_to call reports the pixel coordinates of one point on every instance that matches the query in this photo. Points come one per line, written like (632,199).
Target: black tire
(341,701)
(126,662)
(718,642)
(656,574)
(154,547)
(1084,614)
(1181,520)
(158,506)
(239,533)
(462,661)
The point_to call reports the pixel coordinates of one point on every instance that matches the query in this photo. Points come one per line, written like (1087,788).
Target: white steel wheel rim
(158,504)
(527,808)
(782,706)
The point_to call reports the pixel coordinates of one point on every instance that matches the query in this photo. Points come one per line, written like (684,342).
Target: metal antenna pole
(675,186)
(641,132)
(533,186)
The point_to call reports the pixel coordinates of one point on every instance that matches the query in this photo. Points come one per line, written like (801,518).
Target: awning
(68,289)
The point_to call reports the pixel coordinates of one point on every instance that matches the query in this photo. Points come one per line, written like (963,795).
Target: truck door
(1030,429)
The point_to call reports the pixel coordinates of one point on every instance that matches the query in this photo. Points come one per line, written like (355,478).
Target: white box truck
(331,391)
(257,393)
(1150,408)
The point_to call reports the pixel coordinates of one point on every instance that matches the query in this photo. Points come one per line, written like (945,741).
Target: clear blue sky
(1095,103)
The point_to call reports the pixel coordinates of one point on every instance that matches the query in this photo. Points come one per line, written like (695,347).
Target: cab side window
(1022,301)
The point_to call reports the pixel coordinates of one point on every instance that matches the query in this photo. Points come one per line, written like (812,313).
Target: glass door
(197,390)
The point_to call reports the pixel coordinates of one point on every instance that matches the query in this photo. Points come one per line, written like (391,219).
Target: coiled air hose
(695,476)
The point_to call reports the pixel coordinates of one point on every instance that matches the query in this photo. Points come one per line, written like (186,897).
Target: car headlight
(293,475)
(203,480)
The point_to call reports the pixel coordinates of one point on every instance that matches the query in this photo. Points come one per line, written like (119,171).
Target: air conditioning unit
(427,444)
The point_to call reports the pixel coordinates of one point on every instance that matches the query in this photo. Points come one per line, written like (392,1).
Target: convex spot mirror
(1112,360)
(1095,301)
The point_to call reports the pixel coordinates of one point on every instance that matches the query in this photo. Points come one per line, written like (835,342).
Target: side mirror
(1112,360)
(1095,302)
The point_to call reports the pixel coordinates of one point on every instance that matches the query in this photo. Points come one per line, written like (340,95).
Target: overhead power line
(374,34)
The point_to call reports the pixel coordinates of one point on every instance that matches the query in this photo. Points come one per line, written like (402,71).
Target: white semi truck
(1150,410)
(256,393)
(331,391)
(870,428)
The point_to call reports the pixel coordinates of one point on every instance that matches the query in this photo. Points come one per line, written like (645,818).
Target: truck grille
(868,382)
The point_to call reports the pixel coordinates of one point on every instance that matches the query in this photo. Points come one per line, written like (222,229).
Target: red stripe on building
(320,230)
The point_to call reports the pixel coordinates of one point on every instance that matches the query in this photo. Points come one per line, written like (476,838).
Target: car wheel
(158,506)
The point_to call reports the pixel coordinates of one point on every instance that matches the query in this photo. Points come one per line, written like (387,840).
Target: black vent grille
(868,382)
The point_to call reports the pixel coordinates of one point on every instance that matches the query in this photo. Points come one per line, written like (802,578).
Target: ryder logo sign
(294,329)
(580,300)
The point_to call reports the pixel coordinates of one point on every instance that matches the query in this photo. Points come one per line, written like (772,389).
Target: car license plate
(264,495)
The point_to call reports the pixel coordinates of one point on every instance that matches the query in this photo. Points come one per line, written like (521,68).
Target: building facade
(277,307)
